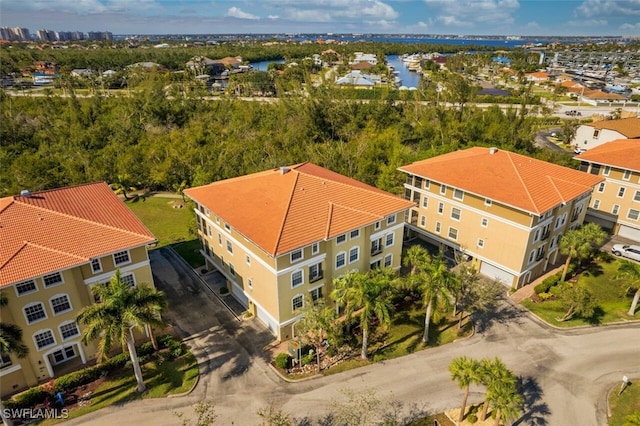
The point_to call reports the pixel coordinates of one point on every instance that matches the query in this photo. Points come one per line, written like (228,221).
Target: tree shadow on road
(504,313)
(536,412)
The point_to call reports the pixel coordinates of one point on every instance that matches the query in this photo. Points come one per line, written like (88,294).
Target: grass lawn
(168,378)
(190,251)
(625,404)
(598,278)
(405,337)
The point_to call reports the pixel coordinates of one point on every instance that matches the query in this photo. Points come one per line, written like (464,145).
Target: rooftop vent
(25,193)
(493,150)
(284,170)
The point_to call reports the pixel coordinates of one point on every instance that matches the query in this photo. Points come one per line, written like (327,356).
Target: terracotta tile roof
(516,180)
(61,228)
(282,212)
(599,94)
(623,153)
(538,75)
(629,127)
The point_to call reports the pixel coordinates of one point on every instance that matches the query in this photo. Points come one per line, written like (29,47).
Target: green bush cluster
(30,398)
(283,360)
(547,283)
(472,418)
(308,358)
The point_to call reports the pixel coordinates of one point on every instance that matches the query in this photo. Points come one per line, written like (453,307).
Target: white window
(60,303)
(209,231)
(423,221)
(440,208)
(596,133)
(96,266)
(438,227)
(427,183)
(458,194)
(44,339)
(34,312)
(316,294)
(564,219)
(296,255)
(340,260)
(388,260)
(297,278)
(487,202)
(374,265)
(376,246)
(64,354)
(354,254)
(227,227)
(354,234)
(615,209)
(229,247)
(425,202)
(636,196)
(232,270)
(391,219)
(121,258)
(606,170)
(621,192)
(217,219)
(68,330)
(248,260)
(5,360)
(484,222)
(626,175)
(297,302)
(443,189)
(219,239)
(315,248)
(596,204)
(453,233)
(26,287)
(377,225)
(480,243)
(341,238)
(536,236)
(129,279)
(633,214)
(208,212)
(601,186)
(455,213)
(389,240)
(532,256)
(250,282)
(315,272)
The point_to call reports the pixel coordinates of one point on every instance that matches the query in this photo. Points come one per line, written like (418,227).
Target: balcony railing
(315,277)
(376,250)
(545,235)
(540,256)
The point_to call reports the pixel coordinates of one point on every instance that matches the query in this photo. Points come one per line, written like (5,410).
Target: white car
(632,252)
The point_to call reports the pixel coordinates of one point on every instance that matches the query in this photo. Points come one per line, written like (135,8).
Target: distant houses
(590,135)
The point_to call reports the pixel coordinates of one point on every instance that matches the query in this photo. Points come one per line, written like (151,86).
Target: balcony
(376,250)
(545,236)
(575,217)
(315,277)
(414,218)
(540,256)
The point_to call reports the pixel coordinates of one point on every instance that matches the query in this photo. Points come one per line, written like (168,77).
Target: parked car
(573,112)
(579,150)
(632,252)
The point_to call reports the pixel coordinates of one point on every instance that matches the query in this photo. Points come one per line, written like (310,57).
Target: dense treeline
(152,140)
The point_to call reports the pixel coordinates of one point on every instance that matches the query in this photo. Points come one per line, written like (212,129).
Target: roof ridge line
(526,190)
(86,220)
(378,191)
(356,210)
(15,253)
(286,213)
(329,216)
(555,187)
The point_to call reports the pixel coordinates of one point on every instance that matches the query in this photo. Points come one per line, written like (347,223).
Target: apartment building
(281,236)
(56,245)
(591,135)
(504,210)
(615,204)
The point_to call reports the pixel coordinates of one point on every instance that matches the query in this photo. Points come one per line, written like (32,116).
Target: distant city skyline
(464,17)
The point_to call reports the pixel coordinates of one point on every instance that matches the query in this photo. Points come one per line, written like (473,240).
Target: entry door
(64,354)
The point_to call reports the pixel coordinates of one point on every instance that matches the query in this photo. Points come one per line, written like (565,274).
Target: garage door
(239,294)
(629,232)
(266,319)
(496,273)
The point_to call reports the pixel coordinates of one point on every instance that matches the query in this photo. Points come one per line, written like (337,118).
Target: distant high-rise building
(46,35)
(15,34)
(100,35)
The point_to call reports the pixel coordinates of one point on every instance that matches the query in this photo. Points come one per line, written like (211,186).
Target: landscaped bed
(627,404)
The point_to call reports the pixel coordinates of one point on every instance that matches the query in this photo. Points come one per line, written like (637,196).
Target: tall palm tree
(464,371)
(436,285)
(367,296)
(121,308)
(507,402)
(579,243)
(631,271)
(495,375)
(316,325)
(417,258)
(10,342)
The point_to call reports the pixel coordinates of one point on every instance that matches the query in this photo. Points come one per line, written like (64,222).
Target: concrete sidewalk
(526,291)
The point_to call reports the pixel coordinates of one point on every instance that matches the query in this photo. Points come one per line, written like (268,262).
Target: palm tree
(631,271)
(464,371)
(121,308)
(367,297)
(436,285)
(416,257)
(579,243)
(507,402)
(316,325)
(495,376)
(10,342)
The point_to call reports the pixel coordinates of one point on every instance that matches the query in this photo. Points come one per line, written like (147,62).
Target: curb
(179,395)
(275,370)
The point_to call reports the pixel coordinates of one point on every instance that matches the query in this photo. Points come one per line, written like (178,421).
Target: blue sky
(481,17)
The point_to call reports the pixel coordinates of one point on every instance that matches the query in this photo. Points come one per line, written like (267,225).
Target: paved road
(567,373)
(542,139)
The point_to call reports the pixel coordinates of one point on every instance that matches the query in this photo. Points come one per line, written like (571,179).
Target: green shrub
(544,296)
(145,349)
(176,348)
(28,399)
(473,409)
(163,341)
(308,358)
(472,418)
(77,378)
(547,283)
(558,288)
(283,360)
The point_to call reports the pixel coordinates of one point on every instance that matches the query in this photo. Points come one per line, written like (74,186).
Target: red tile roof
(622,153)
(516,180)
(60,228)
(628,127)
(281,212)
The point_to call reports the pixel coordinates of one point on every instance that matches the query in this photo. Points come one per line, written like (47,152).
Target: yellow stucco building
(55,246)
(281,236)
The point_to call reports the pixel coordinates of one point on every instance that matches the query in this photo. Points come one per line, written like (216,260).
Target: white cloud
(533,25)
(470,12)
(333,10)
(236,12)
(608,8)
(422,24)
(635,26)
(83,7)
(588,23)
